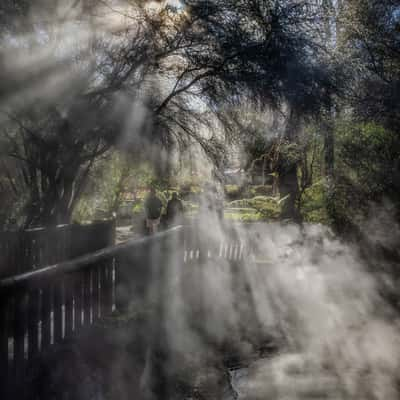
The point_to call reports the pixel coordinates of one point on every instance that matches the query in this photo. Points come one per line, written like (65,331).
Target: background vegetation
(301,97)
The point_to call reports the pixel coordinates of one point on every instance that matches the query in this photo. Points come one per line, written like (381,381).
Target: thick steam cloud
(310,293)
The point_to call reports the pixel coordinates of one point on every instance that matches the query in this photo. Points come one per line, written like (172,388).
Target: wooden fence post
(47,302)
(33,325)
(77,284)
(42,307)
(122,290)
(4,353)
(86,296)
(58,312)
(106,287)
(19,335)
(69,306)
(95,292)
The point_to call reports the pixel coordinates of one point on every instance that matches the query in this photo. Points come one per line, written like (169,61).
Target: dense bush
(233,192)
(260,190)
(242,216)
(368,171)
(189,191)
(313,204)
(267,208)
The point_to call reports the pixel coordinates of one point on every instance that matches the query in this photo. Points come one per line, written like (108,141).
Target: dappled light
(200,199)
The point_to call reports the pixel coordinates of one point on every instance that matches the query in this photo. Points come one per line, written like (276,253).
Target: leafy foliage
(370,38)
(314,204)
(368,169)
(308,89)
(267,208)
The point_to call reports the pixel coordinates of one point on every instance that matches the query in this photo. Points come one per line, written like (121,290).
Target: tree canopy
(82,78)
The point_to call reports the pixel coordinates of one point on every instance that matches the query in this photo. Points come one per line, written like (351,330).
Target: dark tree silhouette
(267,51)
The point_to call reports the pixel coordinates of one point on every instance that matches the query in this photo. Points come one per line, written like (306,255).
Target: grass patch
(313,204)
(241,216)
(267,207)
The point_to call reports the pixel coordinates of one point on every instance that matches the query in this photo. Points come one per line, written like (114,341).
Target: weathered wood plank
(33,323)
(46,323)
(69,307)
(87,296)
(58,312)
(78,302)
(4,349)
(96,291)
(19,329)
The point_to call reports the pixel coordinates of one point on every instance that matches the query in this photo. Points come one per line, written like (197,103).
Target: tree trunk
(54,206)
(329,147)
(329,161)
(289,189)
(63,208)
(264,167)
(331,28)
(287,169)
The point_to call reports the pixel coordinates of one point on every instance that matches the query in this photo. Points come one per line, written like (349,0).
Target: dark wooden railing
(22,251)
(46,306)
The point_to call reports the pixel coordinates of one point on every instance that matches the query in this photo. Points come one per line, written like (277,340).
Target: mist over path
(310,301)
(290,313)
(264,135)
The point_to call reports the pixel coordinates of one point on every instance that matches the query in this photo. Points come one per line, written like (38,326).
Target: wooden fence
(198,246)
(21,251)
(49,305)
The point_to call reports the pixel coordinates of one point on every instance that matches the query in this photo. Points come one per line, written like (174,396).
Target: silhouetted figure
(174,210)
(211,202)
(219,204)
(153,207)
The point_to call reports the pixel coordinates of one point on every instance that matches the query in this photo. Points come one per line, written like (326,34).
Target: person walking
(153,208)
(174,214)
(211,203)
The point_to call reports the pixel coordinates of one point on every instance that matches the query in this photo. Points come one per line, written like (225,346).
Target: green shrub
(189,190)
(138,208)
(366,172)
(243,216)
(242,203)
(313,204)
(233,192)
(84,211)
(260,190)
(266,207)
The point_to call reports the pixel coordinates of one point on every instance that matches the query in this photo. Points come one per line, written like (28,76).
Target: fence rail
(44,307)
(22,251)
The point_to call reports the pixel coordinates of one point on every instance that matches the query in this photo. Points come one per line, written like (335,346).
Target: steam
(303,289)
(40,65)
(59,49)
